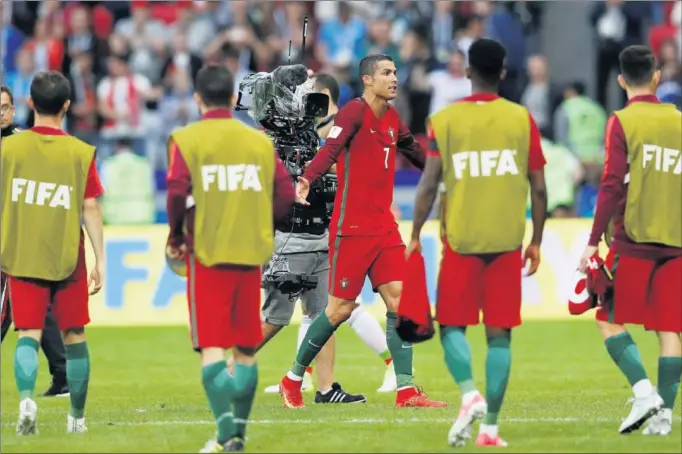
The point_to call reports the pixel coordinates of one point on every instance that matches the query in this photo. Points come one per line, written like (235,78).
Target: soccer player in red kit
(225,171)
(363,234)
(486,150)
(49,186)
(641,190)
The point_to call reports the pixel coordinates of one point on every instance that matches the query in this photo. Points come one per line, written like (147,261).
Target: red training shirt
(180,187)
(612,196)
(536,158)
(366,169)
(93,189)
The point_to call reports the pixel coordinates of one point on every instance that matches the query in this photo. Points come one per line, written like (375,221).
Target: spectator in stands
(140,28)
(380,40)
(443,30)
(82,39)
(48,52)
(540,96)
(473,30)
(342,38)
(121,99)
(19,81)
(82,118)
(563,173)
(196,24)
(11,40)
(406,14)
(504,25)
(449,85)
(670,88)
(181,59)
(415,98)
(617,24)
(579,125)
(129,187)
(178,107)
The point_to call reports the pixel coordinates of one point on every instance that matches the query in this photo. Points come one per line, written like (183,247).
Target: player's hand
(176,252)
(302,190)
(590,251)
(414,246)
(96,279)
(532,255)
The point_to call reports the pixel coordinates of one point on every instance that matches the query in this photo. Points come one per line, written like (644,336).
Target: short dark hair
(229,51)
(486,60)
(369,64)
(577,86)
(49,91)
(323,81)
(637,65)
(6,89)
(215,86)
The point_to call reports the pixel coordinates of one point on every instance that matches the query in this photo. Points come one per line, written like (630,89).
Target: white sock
(488,429)
(467,397)
(642,389)
(369,330)
(293,376)
(306,321)
(324,393)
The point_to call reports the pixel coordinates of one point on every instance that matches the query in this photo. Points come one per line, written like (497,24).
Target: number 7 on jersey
(387,150)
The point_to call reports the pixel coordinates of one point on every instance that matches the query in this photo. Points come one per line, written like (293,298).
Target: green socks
(625,354)
(318,334)
(669,371)
(497,368)
(218,386)
(77,376)
(458,357)
(245,383)
(26,366)
(401,352)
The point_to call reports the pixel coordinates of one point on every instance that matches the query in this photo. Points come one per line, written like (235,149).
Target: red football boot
(415,397)
(290,391)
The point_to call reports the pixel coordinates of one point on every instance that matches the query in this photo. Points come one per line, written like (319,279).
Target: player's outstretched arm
(346,125)
(426,196)
(410,148)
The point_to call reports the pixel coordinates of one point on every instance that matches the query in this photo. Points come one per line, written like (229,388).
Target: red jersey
(366,168)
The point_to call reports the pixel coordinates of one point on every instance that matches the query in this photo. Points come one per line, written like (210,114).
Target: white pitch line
(181,422)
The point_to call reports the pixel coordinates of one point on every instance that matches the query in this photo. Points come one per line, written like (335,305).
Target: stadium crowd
(132,66)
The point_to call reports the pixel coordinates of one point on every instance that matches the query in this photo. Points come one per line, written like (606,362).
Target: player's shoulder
(354,106)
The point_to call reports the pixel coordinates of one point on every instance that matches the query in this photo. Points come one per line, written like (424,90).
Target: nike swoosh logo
(372,130)
(406,346)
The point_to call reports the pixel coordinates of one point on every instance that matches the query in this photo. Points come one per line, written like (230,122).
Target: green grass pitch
(565,395)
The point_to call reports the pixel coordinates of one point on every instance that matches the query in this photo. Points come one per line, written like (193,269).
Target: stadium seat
(586,201)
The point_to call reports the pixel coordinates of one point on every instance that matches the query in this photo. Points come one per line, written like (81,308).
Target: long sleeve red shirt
(180,188)
(612,197)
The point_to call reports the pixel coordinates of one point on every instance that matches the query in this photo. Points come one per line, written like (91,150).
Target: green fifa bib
(232,168)
(43,185)
(587,121)
(484,151)
(653,211)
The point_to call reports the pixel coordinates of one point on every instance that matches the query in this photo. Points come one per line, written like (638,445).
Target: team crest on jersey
(344,282)
(391,132)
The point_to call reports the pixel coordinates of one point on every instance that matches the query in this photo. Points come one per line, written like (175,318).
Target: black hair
(6,89)
(215,86)
(637,65)
(323,81)
(49,91)
(369,64)
(486,60)
(577,86)
(229,51)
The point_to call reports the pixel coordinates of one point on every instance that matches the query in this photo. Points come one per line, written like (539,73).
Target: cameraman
(307,253)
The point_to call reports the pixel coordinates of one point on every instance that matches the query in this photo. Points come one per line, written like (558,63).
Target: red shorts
(224,305)
(469,284)
(352,258)
(647,293)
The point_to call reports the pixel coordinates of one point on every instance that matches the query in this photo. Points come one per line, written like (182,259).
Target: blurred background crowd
(131,65)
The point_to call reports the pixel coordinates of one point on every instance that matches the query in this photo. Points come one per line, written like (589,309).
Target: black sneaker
(58,388)
(339,396)
(235,444)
